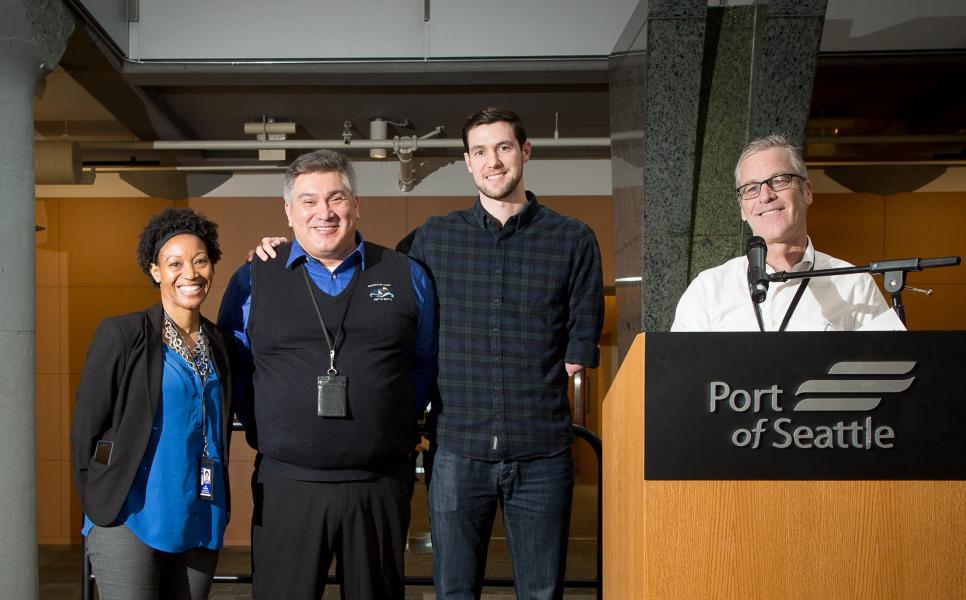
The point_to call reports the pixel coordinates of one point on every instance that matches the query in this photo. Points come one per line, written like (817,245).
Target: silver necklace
(197,357)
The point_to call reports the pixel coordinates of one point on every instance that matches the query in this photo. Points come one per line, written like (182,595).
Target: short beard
(503,192)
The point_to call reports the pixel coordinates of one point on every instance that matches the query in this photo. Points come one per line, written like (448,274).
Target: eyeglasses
(777,183)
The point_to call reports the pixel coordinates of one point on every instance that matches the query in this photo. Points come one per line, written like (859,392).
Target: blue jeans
(535,495)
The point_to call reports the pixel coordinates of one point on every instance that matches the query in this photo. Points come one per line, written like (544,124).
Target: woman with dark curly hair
(151,428)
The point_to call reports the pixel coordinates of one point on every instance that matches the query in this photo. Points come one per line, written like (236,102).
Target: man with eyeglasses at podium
(774,195)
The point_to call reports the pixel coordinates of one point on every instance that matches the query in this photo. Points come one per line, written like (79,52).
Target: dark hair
(320,161)
(494,114)
(171,222)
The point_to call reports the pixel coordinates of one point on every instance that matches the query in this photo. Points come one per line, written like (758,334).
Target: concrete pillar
(33,35)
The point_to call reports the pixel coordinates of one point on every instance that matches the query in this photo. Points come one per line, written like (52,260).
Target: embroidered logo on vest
(380,292)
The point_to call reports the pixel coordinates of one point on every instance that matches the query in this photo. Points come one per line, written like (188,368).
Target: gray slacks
(125,568)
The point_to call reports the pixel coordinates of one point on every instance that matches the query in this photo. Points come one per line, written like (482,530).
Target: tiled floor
(60,566)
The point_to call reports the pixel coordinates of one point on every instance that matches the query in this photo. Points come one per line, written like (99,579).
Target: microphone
(756,250)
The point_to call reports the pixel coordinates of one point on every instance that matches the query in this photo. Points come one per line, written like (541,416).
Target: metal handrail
(595,443)
(87,590)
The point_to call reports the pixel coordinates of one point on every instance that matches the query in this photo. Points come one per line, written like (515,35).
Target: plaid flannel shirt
(515,303)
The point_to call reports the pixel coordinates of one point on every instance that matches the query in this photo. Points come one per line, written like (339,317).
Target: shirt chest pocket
(538,293)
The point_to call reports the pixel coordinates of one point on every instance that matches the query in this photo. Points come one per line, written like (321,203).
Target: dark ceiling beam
(373,73)
(96,69)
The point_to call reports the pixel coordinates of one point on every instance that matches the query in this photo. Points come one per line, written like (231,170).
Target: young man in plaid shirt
(520,310)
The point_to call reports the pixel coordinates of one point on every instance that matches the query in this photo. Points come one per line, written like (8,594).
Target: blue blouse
(162,507)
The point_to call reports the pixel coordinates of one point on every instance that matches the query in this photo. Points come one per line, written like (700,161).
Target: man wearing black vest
(341,347)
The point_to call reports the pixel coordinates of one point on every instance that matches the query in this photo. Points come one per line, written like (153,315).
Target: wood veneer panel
(99,238)
(623,479)
(768,539)
(805,539)
(848,226)
(945,310)
(926,225)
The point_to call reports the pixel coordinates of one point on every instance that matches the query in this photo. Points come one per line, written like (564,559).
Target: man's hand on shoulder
(266,250)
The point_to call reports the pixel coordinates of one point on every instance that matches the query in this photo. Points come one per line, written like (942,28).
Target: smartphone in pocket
(102,452)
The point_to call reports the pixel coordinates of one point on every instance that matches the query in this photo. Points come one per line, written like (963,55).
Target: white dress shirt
(718,300)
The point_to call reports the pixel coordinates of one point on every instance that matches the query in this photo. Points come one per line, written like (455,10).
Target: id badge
(332,396)
(206,479)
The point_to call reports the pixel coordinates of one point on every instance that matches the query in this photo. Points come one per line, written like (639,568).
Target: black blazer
(117,400)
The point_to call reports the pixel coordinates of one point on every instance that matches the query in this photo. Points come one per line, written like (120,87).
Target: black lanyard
(791,307)
(340,334)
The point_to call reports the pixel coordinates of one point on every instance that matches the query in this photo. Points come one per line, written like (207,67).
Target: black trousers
(299,526)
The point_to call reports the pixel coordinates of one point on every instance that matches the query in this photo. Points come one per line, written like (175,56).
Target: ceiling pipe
(407,142)
(818,164)
(185,168)
(407,168)
(377,132)
(268,127)
(57,162)
(404,142)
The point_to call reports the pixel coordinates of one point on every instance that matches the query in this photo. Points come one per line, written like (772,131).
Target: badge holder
(332,397)
(206,479)
(332,392)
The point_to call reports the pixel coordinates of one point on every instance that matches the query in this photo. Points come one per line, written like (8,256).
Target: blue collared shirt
(236,304)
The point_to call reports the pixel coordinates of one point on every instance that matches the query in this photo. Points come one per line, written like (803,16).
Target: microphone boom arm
(894,274)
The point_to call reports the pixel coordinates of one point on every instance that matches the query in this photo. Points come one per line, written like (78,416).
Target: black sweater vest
(375,353)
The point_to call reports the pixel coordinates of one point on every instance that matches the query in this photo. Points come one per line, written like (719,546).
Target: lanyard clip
(332,370)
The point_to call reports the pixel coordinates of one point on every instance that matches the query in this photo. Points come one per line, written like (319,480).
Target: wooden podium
(683,539)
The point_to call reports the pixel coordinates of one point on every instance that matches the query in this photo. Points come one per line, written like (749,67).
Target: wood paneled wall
(86,270)
(861,228)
